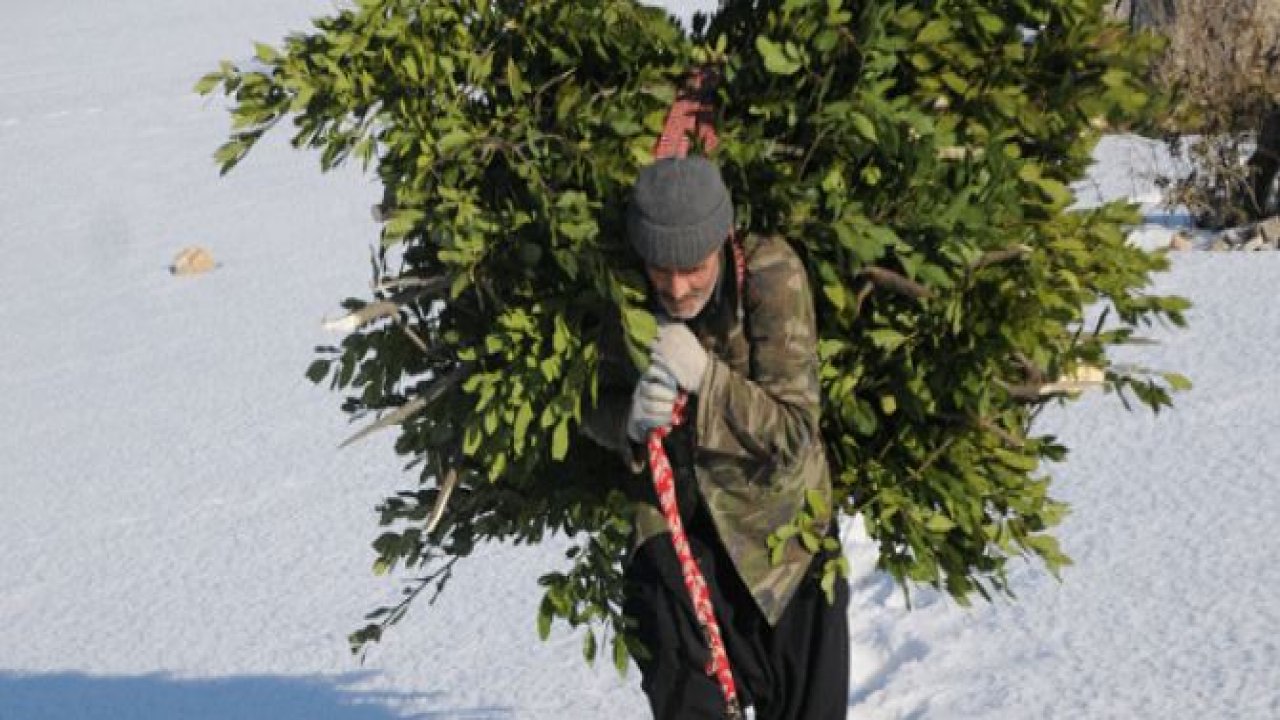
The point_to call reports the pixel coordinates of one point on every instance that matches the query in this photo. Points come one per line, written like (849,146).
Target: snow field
(182,539)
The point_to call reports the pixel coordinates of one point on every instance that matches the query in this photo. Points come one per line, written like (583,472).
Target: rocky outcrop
(1263,235)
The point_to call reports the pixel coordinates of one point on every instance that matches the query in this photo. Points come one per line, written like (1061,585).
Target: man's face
(683,292)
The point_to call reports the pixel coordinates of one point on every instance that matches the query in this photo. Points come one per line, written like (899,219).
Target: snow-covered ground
(181,538)
(1129,167)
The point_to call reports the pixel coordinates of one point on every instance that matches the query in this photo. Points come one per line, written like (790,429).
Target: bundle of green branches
(918,154)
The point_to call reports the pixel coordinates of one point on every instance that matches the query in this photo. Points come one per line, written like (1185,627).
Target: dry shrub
(1222,66)
(1222,61)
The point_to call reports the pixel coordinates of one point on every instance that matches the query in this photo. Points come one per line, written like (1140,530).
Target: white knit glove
(651,403)
(678,351)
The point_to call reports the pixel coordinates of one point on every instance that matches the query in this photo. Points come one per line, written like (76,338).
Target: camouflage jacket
(750,448)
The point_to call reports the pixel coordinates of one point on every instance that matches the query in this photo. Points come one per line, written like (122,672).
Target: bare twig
(1086,377)
(933,457)
(1004,435)
(414,337)
(555,80)
(1029,368)
(995,257)
(410,281)
(411,408)
(446,490)
(890,280)
(863,293)
(357,319)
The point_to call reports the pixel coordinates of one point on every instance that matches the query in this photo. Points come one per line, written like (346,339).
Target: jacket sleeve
(773,415)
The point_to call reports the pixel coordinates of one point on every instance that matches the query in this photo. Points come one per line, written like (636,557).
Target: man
(746,455)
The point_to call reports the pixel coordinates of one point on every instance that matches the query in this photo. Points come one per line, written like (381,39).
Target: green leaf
(1047,547)
(864,126)
(888,404)
(908,18)
(497,467)
(1017,461)
(990,22)
(836,294)
(1058,193)
(1115,77)
(403,222)
(545,613)
(939,523)
(934,32)
(566,101)
(817,503)
(641,329)
(560,336)
(520,429)
(886,338)
(265,53)
(515,81)
(777,553)
(318,370)
(626,127)
(453,140)
(776,60)
(953,81)
(460,283)
(864,419)
(621,659)
(206,84)
(1177,382)
(828,583)
(479,66)
(560,440)
(826,40)
(230,154)
(471,438)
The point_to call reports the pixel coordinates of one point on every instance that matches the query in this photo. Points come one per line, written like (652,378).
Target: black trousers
(797,670)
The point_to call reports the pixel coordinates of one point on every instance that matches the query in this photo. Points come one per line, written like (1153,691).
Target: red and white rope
(694,581)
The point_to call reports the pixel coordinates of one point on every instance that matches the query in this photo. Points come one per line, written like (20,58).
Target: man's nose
(679,285)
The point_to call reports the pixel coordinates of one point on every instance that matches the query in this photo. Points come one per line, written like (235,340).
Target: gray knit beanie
(680,212)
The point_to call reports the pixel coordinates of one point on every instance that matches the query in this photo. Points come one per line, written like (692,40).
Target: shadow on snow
(159,696)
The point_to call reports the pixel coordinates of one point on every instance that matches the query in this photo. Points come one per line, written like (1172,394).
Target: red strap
(692,112)
(740,265)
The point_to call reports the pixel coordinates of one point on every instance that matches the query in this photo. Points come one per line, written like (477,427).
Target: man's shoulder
(771,260)
(768,252)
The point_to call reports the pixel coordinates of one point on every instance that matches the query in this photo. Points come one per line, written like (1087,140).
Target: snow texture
(183,540)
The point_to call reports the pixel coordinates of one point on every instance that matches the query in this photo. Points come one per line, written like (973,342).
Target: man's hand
(677,351)
(651,403)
